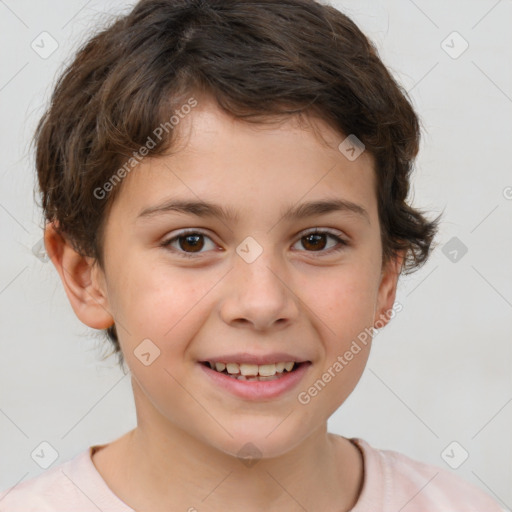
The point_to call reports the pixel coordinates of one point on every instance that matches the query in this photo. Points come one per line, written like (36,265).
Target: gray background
(439,372)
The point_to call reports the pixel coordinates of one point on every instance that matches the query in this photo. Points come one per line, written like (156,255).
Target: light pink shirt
(392,482)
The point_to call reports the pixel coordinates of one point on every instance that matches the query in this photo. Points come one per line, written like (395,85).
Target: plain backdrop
(439,378)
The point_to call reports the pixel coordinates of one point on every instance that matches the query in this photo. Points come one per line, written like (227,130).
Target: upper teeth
(264,370)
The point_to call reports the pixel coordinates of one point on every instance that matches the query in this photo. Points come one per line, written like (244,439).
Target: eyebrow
(206,209)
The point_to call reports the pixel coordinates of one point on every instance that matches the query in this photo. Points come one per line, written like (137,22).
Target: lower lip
(258,390)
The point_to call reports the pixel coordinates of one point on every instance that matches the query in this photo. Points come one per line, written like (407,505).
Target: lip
(246,358)
(258,390)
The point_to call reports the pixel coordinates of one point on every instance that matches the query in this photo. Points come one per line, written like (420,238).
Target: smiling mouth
(254,372)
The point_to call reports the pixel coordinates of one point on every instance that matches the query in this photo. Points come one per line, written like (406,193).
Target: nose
(259,295)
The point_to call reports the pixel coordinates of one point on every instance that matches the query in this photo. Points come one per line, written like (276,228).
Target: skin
(313,303)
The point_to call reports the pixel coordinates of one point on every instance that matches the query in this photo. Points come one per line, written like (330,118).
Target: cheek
(161,304)
(343,304)
(343,299)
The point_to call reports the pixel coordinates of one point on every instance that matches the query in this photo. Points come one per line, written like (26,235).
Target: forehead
(248,166)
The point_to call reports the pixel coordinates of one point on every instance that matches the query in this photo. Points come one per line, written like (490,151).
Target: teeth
(232,368)
(280,367)
(267,370)
(249,369)
(243,377)
(253,370)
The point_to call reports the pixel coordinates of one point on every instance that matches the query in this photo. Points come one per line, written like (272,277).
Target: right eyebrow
(198,208)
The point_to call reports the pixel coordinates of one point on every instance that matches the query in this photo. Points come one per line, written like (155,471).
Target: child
(225,184)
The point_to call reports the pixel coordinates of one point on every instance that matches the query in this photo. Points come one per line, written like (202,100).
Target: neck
(158,466)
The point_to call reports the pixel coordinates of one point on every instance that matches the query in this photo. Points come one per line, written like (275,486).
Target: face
(257,285)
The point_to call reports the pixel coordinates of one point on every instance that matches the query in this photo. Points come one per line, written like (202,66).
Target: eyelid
(320,230)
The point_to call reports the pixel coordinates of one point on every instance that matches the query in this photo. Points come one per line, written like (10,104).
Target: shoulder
(51,491)
(399,481)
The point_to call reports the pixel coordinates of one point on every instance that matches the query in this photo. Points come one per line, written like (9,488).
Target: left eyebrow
(316,208)
(206,209)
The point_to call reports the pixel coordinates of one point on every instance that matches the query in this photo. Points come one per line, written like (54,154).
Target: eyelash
(342,243)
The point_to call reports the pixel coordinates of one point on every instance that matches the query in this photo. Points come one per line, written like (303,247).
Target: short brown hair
(260,60)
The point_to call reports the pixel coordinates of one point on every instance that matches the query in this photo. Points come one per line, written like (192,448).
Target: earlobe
(387,291)
(85,290)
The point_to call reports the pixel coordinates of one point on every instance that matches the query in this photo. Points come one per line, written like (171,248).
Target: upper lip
(247,358)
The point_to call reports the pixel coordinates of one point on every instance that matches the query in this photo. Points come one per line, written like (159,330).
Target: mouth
(255,372)
(256,382)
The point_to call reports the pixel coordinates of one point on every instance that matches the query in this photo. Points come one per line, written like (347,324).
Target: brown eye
(317,241)
(314,241)
(191,242)
(188,244)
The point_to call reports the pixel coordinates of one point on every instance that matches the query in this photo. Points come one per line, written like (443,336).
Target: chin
(260,439)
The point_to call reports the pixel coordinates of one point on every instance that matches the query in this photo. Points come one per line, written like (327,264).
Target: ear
(387,290)
(83,281)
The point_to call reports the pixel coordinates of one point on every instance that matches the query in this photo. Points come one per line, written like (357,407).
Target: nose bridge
(257,269)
